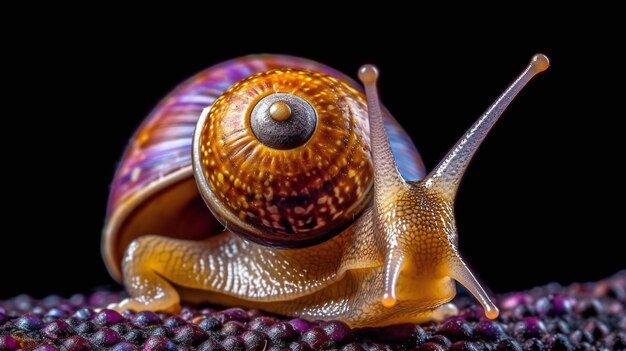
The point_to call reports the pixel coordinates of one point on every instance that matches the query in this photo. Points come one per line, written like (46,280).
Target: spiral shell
(286,197)
(154,191)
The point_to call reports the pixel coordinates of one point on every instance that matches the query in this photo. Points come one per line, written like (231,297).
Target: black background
(541,201)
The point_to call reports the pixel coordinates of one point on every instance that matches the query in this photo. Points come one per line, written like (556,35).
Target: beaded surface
(588,316)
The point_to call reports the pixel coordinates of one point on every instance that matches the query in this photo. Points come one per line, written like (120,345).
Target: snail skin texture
(273,182)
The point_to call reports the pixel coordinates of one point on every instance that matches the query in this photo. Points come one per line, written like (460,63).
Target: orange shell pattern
(302,194)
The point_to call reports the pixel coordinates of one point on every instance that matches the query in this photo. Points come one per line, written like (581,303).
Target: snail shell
(154,190)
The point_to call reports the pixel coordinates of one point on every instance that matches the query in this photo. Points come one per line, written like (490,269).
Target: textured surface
(578,317)
(296,282)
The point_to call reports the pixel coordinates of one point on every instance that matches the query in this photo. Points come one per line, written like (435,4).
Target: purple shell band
(162,144)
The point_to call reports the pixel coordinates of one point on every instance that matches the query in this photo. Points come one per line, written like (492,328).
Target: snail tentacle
(446,177)
(388,182)
(386,174)
(462,274)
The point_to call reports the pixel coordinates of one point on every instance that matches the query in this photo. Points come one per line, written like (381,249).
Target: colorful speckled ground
(588,316)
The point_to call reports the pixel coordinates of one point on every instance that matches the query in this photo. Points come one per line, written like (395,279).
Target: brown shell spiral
(285,197)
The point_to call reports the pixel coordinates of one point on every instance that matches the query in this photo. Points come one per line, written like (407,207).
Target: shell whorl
(154,179)
(294,196)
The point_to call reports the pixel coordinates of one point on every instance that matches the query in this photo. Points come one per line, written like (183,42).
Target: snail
(273,182)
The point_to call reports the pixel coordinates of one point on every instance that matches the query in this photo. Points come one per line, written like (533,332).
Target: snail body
(273,182)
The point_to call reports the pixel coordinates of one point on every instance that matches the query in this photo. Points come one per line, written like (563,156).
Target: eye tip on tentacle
(388,300)
(540,62)
(368,74)
(391,271)
(492,313)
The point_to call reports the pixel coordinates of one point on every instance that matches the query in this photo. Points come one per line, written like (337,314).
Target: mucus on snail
(320,206)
